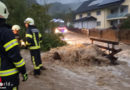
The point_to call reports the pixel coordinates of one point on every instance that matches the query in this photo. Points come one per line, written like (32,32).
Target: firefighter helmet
(29,21)
(3,11)
(16,27)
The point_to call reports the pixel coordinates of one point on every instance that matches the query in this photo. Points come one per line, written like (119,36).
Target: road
(60,77)
(74,38)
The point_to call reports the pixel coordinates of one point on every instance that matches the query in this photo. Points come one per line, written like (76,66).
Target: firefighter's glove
(25,77)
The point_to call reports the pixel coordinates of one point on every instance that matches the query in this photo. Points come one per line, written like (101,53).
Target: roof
(86,19)
(90,5)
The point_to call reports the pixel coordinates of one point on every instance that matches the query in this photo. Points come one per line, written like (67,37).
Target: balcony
(117,16)
(118,13)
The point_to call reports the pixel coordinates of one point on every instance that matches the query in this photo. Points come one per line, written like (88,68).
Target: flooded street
(60,76)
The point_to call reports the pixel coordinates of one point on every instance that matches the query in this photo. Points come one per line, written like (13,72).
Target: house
(101,14)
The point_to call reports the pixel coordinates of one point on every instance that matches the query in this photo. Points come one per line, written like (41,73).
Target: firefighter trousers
(10,82)
(36,59)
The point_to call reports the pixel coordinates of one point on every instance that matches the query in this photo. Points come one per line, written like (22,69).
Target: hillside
(30,2)
(56,8)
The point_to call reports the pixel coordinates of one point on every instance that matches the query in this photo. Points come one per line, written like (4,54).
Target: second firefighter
(34,38)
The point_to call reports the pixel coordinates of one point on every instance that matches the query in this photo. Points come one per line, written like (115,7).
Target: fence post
(118,36)
(100,33)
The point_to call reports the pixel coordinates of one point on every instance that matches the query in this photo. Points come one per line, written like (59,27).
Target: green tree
(125,24)
(39,14)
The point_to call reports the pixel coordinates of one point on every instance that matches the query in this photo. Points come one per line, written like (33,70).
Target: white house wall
(78,25)
(85,24)
(91,24)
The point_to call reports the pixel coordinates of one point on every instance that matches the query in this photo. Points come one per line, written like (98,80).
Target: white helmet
(16,27)
(3,11)
(29,21)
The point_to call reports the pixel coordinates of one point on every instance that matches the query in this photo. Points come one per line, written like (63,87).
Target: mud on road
(60,76)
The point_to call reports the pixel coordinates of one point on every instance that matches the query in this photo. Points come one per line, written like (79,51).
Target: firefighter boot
(37,72)
(42,68)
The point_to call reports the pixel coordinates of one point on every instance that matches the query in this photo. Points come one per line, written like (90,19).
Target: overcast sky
(62,1)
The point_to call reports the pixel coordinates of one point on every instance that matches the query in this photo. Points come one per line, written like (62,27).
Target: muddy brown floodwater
(60,76)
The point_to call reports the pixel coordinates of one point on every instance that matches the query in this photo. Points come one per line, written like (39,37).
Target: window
(89,14)
(124,9)
(114,10)
(99,12)
(80,15)
(98,23)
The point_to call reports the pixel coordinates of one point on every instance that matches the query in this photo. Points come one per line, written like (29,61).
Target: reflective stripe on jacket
(33,37)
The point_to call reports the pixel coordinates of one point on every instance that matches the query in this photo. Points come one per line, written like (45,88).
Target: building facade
(101,14)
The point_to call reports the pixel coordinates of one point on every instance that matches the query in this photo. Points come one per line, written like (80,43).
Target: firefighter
(15,29)
(34,38)
(11,62)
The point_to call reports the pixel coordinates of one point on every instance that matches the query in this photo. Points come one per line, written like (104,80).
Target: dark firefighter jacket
(33,37)
(11,62)
(17,37)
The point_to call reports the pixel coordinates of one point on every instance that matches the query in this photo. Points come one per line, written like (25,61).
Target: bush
(51,41)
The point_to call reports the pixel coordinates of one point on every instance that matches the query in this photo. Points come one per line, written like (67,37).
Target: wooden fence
(124,36)
(108,34)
